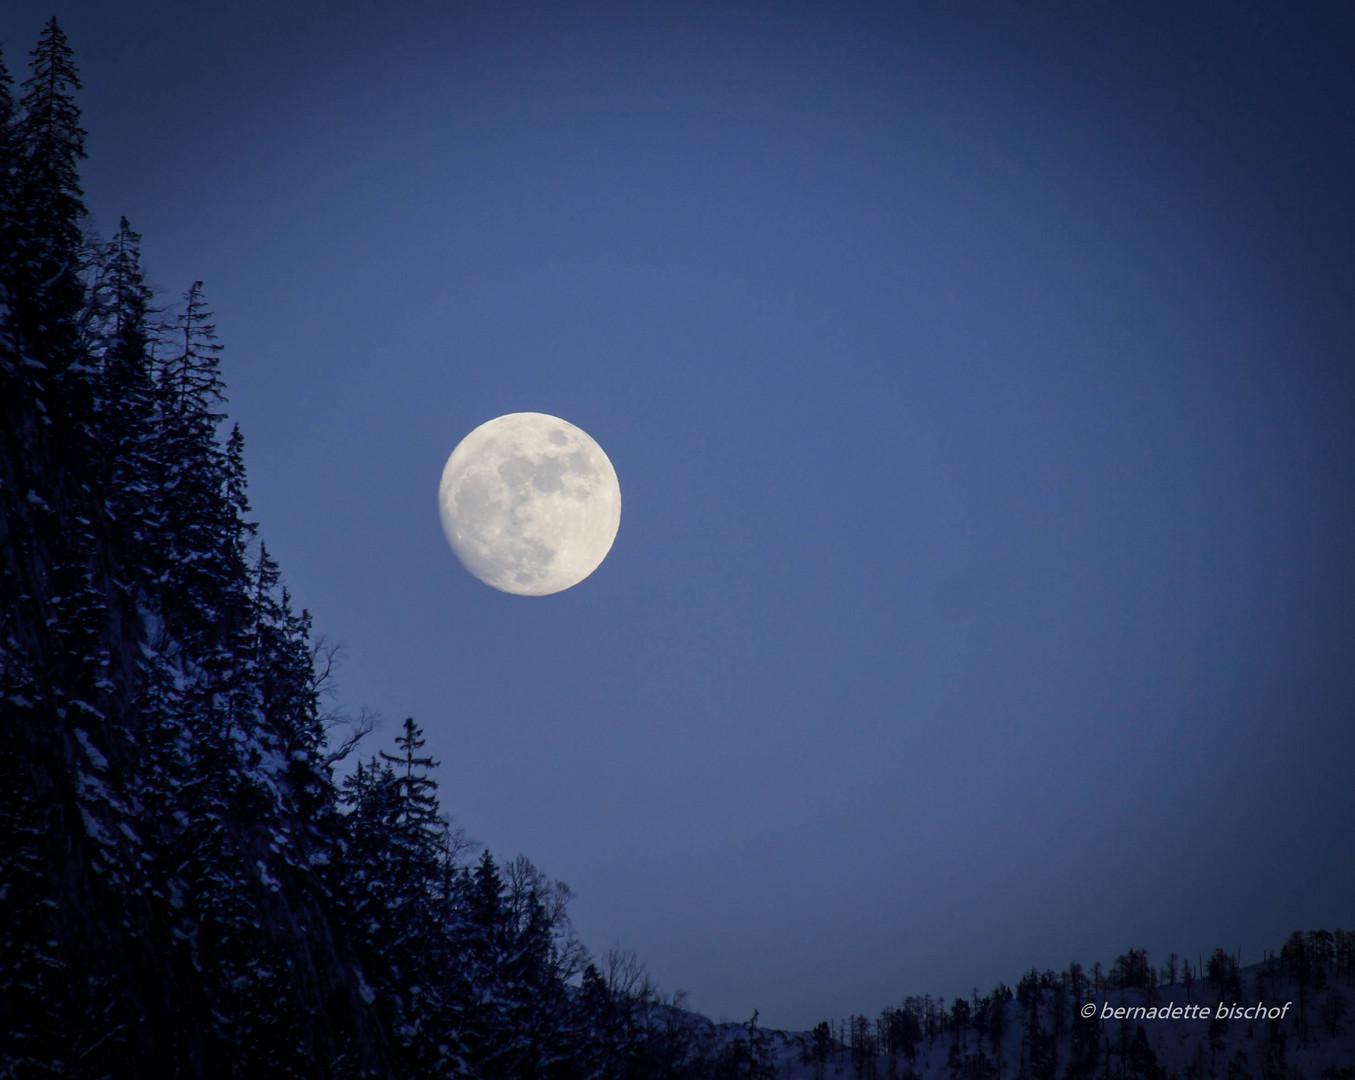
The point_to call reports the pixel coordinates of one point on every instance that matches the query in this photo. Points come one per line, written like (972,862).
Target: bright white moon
(529,503)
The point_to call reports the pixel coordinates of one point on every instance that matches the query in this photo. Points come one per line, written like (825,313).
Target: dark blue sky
(981,385)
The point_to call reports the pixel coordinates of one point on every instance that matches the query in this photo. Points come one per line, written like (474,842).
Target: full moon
(529,503)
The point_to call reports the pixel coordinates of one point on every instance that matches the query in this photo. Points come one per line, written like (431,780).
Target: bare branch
(358,729)
(326,654)
(455,843)
(626,975)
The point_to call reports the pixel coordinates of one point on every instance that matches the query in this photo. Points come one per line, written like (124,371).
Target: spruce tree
(199,552)
(407,899)
(126,399)
(484,943)
(125,418)
(595,1024)
(45,230)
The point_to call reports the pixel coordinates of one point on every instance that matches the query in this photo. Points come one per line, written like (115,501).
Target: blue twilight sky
(981,382)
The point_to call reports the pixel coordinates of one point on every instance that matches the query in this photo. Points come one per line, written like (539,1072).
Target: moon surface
(529,503)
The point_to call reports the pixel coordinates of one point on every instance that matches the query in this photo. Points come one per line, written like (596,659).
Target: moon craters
(529,503)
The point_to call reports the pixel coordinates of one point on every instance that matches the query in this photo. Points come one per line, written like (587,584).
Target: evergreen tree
(997,1022)
(597,1034)
(410,902)
(126,399)
(1222,974)
(125,470)
(484,946)
(417,819)
(821,1047)
(200,531)
(44,234)
(1028,998)
(960,1013)
(1298,963)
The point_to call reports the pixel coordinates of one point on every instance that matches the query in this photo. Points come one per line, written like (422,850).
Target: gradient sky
(981,384)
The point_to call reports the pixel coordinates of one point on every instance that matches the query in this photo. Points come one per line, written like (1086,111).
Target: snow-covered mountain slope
(1260,1023)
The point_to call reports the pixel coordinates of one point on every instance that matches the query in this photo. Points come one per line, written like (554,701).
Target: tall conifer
(49,209)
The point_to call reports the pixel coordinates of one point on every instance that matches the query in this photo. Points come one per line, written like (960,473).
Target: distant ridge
(1146,1023)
